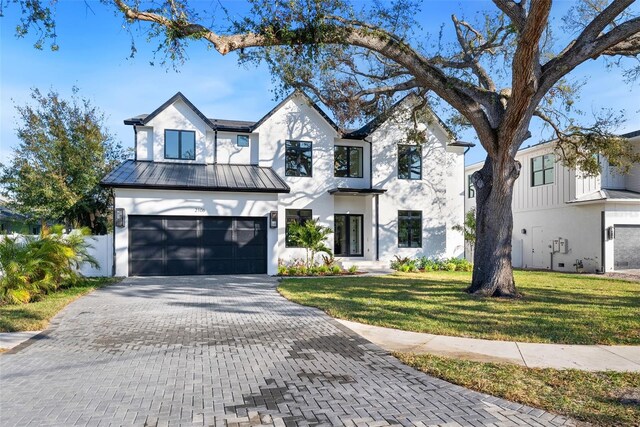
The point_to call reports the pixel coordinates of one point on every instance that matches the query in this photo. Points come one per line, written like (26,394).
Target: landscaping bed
(35,316)
(554,308)
(601,398)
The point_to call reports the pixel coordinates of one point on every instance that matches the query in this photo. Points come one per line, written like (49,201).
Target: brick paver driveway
(224,350)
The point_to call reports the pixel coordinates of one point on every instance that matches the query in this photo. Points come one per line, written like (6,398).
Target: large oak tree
(503,69)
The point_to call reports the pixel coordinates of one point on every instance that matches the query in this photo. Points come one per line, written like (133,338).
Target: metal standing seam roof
(189,176)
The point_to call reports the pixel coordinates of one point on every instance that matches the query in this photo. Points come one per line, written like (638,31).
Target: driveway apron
(223,350)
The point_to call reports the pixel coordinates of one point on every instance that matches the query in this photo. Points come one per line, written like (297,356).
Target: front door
(348,235)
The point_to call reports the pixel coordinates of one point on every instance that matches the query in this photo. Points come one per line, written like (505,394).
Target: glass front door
(348,235)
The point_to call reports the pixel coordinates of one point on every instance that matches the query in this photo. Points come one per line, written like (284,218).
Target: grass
(602,398)
(35,316)
(555,307)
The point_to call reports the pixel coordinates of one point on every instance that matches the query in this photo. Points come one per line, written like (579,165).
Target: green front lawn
(601,398)
(35,316)
(555,307)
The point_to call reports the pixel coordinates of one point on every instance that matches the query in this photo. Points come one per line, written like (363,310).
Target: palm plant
(32,266)
(311,236)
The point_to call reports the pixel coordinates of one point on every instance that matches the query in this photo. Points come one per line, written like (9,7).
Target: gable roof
(143,119)
(249,126)
(379,120)
(311,103)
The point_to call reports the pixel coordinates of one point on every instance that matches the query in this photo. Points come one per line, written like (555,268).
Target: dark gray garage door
(626,247)
(175,246)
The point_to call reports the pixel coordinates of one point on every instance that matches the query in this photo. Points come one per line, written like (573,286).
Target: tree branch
(525,72)
(514,11)
(461,95)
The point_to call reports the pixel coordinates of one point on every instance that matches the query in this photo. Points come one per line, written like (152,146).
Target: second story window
(297,158)
(471,190)
(242,141)
(542,170)
(347,161)
(409,162)
(180,144)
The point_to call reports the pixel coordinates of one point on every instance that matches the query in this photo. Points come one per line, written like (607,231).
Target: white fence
(101,248)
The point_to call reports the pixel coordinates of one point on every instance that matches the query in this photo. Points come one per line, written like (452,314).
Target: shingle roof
(188,176)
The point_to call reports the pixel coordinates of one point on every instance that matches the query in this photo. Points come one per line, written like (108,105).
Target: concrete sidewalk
(559,356)
(8,340)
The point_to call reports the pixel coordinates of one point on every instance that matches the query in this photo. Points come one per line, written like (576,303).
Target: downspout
(377,227)
(113,257)
(215,145)
(465,195)
(377,198)
(135,143)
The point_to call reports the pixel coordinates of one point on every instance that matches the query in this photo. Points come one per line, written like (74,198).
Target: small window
(180,144)
(242,141)
(409,229)
(542,170)
(298,157)
(299,216)
(471,190)
(409,162)
(347,161)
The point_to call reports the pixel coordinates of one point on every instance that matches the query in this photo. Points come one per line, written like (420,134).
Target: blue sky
(93,56)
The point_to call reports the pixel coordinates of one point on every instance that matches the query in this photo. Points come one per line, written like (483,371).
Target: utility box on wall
(564,246)
(556,245)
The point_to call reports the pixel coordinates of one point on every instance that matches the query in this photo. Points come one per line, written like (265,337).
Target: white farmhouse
(210,196)
(566,221)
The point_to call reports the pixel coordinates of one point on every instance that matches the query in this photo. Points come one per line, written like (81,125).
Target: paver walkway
(223,351)
(621,358)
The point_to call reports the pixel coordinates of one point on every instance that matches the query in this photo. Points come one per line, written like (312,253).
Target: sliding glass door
(348,235)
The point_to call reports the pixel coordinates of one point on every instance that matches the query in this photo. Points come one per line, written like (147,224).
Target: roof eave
(191,188)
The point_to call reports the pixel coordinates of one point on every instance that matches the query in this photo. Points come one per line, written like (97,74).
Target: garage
(626,247)
(172,245)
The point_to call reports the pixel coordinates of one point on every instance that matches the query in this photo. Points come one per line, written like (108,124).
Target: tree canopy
(64,151)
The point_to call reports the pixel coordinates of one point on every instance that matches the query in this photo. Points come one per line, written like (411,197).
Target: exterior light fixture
(273,219)
(119,217)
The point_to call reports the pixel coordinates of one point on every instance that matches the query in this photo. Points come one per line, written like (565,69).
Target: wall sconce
(523,231)
(120,217)
(611,233)
(273,219)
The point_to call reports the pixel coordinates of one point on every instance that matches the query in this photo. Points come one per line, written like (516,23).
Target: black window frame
(543,170)
(348,234)
(297,217)
(406,215)
(348,148)
(408,176)
(288,144)
(238,141)
(180,132)
(471,190)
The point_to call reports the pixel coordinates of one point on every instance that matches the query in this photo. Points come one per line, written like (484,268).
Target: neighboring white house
(210,196)
(564,220)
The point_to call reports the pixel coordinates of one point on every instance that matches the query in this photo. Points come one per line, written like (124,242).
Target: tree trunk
(492,271)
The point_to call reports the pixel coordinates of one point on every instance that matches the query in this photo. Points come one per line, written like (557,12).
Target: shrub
(34,267)
(353,269)
(450,266)
(323,269)
(282,270)
(336,269)
(405,264)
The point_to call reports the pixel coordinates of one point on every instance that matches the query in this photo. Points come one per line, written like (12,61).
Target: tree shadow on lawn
(435,306)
